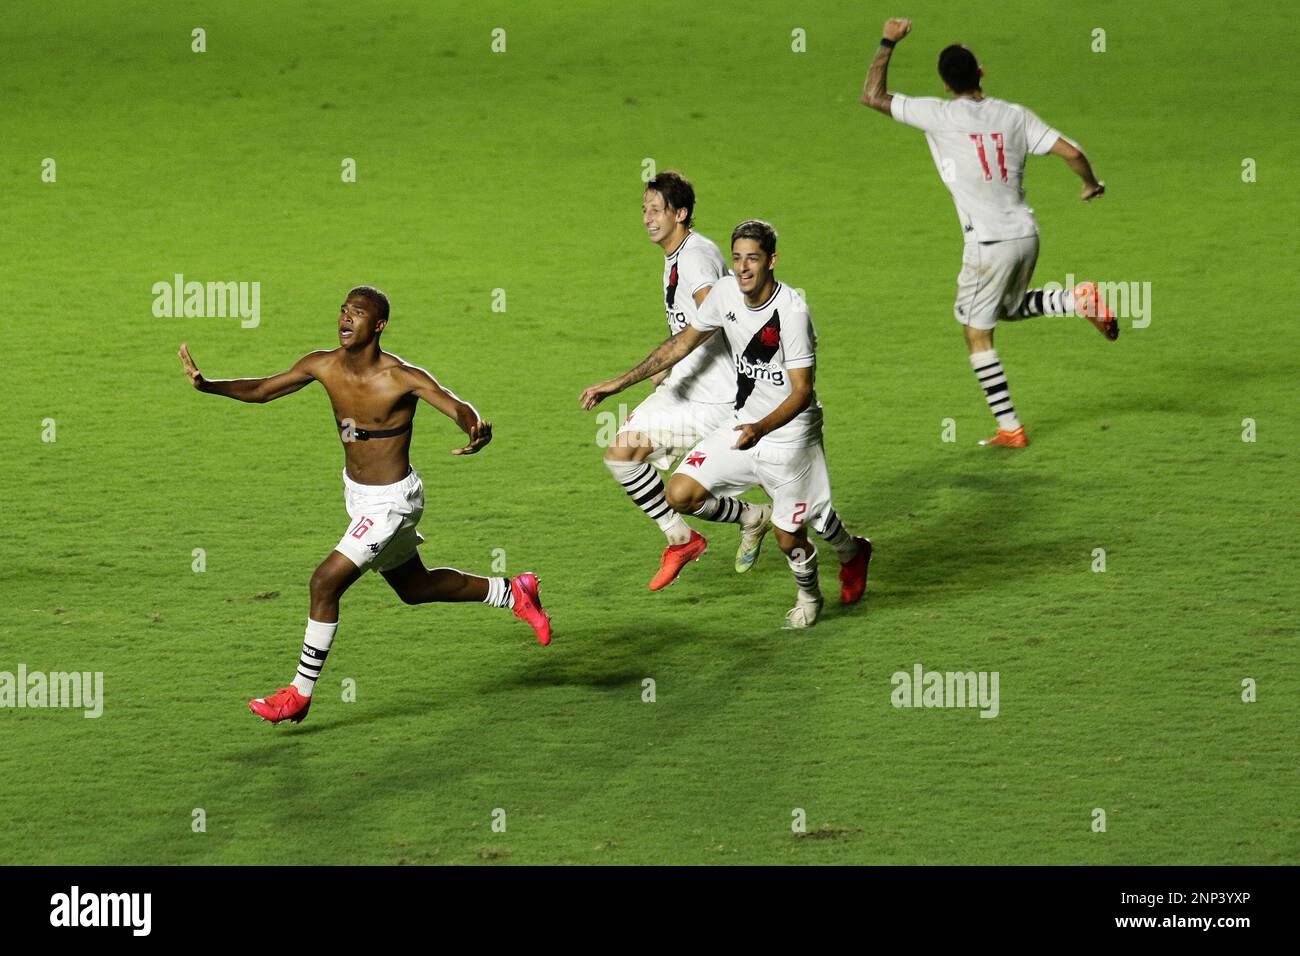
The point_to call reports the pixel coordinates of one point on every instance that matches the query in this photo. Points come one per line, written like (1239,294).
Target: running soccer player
(773,438)
(979,145)
(374,395)
(689,401)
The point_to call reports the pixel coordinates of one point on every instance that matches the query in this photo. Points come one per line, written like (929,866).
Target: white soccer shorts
(993,280)
(382,534)
(673,424)
(796,479)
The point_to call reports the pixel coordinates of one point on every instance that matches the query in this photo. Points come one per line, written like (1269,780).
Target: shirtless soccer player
(773,439)
(374,395)
(691,400)
(979,145)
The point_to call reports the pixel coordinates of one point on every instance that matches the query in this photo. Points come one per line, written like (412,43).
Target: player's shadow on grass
(943,534)
(627,653)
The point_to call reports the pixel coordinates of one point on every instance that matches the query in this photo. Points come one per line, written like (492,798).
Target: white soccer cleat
(751,539)
(804,613)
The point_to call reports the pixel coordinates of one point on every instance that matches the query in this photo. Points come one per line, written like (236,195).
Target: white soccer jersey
(979,147)
(764,344)
(704,375)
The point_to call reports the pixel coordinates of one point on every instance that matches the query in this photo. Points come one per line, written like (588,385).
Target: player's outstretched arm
(1077,161)
(874,90)
(425,387)
(670,351)
(801,390)
(255,390)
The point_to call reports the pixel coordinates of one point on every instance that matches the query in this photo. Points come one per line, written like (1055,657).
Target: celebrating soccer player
(374,395)
(689,401)
(773,438)
(979,145)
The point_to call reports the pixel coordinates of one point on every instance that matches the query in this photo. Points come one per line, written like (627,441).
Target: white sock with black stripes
(1046,302)
(838,537)
(646,489)
(991,378)
(499,593)
(805,574)
(315,648)
(724,509)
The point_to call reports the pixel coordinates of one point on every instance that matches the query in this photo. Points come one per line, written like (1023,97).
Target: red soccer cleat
(853,576)
(528,605)
(1014,439)
(285,704)
(675,558)
(1089,304)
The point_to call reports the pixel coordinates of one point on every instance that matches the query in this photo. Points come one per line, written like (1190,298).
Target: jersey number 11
(1002,158)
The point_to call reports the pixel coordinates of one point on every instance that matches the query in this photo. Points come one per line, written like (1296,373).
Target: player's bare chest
(369,399)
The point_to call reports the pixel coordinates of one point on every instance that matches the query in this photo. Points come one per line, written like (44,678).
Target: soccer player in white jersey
(773,439)
(979,145)
(691,400)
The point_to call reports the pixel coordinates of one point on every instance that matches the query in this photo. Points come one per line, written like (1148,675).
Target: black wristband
(885,41)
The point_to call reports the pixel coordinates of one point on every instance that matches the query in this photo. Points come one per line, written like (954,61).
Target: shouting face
(359,323)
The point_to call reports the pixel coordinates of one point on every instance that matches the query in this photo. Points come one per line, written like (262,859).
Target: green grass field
(521,171)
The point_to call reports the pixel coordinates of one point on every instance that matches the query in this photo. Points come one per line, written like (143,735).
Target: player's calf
(687,496)
(802,559)
(641,481)
(416,584)
(997,393)
(1084,299)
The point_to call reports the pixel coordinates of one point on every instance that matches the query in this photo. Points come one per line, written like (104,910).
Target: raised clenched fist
(896,28)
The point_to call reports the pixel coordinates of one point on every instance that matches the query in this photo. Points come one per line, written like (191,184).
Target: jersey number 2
(984,161)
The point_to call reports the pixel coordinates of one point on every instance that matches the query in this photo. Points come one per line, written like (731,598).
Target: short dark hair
(677,192)
(959,69)
(758,230)
(375,297)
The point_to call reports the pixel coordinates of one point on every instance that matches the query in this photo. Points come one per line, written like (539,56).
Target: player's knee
(323,585)
(618,452)
(628,448)
(620,467)
(410,597)
(685,497)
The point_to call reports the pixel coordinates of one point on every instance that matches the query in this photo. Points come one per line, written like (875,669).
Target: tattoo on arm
(670,351)
(873,91)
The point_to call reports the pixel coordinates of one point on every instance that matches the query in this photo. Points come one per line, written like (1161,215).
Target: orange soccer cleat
(1006,439)
(1089,304)
(675,558)
(528,605)
(853,575)
(285,704)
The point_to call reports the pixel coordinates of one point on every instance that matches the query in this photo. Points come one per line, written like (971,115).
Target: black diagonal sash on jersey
(670,294)
(757,352)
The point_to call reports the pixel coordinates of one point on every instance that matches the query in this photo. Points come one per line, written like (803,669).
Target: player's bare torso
(374,397)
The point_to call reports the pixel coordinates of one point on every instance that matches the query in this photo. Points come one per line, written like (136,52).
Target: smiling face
(753,268)
(359,322)
(663,224)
